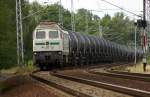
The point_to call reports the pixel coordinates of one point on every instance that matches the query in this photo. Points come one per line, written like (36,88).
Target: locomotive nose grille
(47,58)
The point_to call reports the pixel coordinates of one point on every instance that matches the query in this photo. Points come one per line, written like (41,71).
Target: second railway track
(127,86)
(125,75)
(129,73)
(75,88)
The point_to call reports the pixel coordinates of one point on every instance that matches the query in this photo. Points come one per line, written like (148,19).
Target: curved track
(107,82)
(122,82)
(59,86)
(129,73)
(124,75)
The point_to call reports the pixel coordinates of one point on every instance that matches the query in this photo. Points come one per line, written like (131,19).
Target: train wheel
(81,61)
(84,61)
(61,62)
(41,67)
(64,61)
(87,61)
(76,61)
(70,63)
(47,67)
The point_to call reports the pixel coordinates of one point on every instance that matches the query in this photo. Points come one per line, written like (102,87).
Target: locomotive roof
(49,25)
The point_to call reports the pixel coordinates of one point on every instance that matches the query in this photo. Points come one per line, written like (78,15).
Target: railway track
(124,75)
(119,82)
(93,66)
(59,86)
(129,73)
(74,88)
(92,79)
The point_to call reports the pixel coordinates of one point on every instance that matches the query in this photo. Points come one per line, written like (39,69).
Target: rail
(121,89)
(59,86)
(121,75)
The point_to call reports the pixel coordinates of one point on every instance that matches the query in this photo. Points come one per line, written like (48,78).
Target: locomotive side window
(40,35)
(53,34)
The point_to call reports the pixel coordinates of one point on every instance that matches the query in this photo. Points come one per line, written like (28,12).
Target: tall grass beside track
(20,69)
(14,72)
(148,58)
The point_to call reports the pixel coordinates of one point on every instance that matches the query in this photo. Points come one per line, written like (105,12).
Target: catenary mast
(20,52)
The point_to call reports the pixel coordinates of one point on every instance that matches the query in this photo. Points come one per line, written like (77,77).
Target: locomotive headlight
(34,53)
(59,53)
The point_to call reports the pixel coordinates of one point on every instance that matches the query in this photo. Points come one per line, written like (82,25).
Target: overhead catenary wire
(116,36)
(34,13)
(122,8)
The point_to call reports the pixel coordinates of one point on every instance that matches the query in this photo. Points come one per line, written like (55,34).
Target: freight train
(55,47)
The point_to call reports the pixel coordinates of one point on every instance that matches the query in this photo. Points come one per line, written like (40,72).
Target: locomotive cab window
(53,34)
(40,35)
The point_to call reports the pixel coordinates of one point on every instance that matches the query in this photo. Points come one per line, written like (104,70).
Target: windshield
(53,34)
(40,34)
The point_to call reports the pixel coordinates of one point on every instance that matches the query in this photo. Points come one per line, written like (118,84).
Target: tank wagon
(55,47)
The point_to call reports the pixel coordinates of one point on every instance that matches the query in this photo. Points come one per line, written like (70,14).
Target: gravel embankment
(24,86)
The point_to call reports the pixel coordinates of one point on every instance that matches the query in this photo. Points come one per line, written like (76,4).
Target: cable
(121,8)
(33,13)
(95,10)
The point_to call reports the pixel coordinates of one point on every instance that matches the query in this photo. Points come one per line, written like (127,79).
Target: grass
(27,68)
(13,82)
(3,87)
(148,59)
(15,71)
(20,69)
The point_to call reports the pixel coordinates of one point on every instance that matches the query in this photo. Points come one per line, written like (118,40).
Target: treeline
(118,28)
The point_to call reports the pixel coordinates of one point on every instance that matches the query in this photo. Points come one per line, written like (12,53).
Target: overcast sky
(135,6)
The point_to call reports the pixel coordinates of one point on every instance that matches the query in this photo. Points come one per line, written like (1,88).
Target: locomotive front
(48,44)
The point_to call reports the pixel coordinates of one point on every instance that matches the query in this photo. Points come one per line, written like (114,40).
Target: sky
(135,6)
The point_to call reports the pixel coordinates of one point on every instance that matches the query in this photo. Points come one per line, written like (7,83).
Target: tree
(84,19)
(7,33)
(29,23)
(118,29)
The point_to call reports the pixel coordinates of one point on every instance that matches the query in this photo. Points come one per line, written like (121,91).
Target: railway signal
(142,24)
